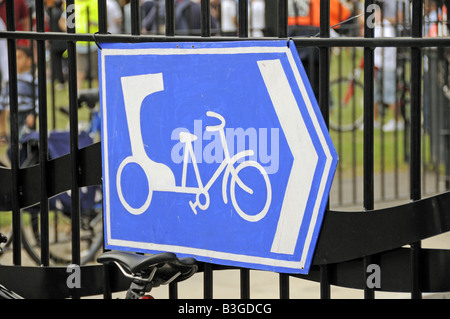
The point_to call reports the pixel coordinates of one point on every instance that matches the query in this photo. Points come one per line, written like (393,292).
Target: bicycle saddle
(167,264)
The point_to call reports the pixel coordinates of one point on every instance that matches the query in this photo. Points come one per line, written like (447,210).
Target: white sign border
(319,198)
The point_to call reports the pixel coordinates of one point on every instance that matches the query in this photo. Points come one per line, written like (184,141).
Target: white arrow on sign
(304,154)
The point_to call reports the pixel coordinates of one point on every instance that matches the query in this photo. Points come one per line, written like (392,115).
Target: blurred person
(21,16)
(152,12)
(188,17)
(26,96)
(228,9)
(215,9)
(86,21)
(57,48)
(385,59)
(126,16)
(114,16)
(257,20)
(435,19)
(393,10)
(229,17)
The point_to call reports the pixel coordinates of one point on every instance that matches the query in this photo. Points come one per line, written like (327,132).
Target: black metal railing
(350,240)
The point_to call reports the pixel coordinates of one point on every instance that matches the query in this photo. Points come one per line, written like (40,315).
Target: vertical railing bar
(338,109)
(324,65)
(368,115)
(205,18)
(52,72)
(73,136)
(325,287)
(33,59)
(107,277)
(400,8)
(43,139)
(396,112)
(427,143)
(170,18)
(354,133)
(368,152)
(14,140)
(415,147)
(173,290)
(283,33)
(282,19)
(243,33)
(243,18)
(103,29)
(207,281)
(284,286)
(447,142)
(245,283)
(89,50)
(447,124)
(324,99)
(438,108)
(135,23)
(102,17)
(383,118)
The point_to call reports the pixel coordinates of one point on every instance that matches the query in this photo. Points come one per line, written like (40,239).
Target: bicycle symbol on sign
(161,178)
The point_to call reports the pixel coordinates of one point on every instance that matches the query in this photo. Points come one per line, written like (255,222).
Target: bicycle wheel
(346,105)
(251,200)
(60,237)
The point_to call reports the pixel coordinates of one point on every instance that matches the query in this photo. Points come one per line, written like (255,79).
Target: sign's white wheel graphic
(263,212)
(129,208)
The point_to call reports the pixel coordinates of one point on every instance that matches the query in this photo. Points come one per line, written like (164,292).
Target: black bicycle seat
(167,264)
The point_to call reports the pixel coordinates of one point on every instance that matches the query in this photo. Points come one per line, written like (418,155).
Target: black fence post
(415,164)
(324,104)
(369,32)
(43,140)
(14,141)
(73,134)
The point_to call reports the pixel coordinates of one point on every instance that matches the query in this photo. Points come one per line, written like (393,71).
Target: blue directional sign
(215,150)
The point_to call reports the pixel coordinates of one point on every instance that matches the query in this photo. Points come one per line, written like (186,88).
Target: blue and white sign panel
(213,150)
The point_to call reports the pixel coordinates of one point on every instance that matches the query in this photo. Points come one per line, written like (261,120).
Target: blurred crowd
(303,20)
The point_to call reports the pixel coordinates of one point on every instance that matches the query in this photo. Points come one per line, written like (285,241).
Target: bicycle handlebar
(214,128)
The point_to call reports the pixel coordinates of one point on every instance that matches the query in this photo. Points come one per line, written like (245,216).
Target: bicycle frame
(227,165)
